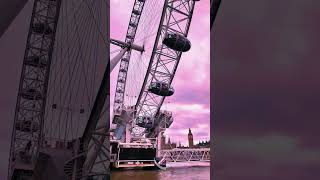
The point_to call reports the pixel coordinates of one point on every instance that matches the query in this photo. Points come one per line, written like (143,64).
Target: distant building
(203,144)
(171,145)
(167,145)
(190,139)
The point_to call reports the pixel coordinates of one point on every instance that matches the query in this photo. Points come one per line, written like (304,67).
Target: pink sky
(191,102)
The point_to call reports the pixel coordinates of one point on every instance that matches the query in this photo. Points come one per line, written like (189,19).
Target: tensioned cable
(79,52)
(137,62)
(135,70)
(68,56)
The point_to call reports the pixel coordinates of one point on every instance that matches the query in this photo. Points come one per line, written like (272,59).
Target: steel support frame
(101,149)
(124,63)
(176,18)
(185,155)
(95,139)
(94,162)
(164,119)
(97,163)
(34,76)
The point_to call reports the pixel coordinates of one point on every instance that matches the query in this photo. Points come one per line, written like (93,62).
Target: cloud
(190,108)
(194,116)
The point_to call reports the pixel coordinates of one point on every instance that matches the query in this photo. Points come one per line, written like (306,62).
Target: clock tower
(190,139)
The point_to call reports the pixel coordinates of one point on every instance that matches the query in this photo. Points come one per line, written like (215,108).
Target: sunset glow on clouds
(191,102)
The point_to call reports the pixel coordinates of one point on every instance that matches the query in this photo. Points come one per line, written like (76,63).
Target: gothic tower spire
(190,139)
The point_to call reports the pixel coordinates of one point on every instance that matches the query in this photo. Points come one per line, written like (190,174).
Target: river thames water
(181,173)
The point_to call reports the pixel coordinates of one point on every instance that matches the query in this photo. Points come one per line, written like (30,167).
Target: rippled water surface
(186,173)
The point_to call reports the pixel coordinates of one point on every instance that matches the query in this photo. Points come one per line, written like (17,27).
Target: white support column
(160,134)
(127,135)
(114,61)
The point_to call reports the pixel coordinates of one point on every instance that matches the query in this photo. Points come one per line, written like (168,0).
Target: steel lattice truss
(29,115)
(176,18)
(124,63)
(182,155)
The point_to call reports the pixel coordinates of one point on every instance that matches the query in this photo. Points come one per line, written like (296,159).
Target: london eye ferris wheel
(63,101)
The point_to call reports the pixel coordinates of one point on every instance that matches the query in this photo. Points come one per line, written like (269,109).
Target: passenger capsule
(161,88)
(177,42)
(42,28)
(36,61)
(145,122)
(27,126)
(31,94)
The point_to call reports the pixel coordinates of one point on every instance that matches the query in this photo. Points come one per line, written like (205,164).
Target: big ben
(190,139)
